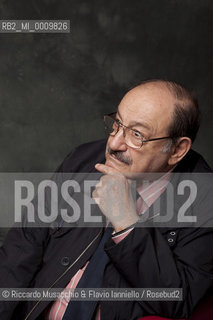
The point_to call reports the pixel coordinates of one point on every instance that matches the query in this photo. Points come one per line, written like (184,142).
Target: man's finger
(105,169)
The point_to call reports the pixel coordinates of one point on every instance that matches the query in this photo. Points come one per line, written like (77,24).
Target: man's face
(147,109)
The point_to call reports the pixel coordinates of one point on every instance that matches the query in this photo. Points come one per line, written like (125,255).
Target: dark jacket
(146,258)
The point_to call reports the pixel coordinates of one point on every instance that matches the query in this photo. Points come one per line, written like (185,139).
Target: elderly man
(152,131)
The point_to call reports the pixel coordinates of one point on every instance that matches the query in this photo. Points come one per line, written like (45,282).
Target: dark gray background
(55,88)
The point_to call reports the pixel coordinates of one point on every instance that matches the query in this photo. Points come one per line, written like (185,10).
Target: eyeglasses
(133,138)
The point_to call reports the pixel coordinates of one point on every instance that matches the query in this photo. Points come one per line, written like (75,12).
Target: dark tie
(91,278)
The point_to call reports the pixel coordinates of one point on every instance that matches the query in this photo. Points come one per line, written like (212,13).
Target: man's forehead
(149,98)
(136,122)
(150,91)
(150,106)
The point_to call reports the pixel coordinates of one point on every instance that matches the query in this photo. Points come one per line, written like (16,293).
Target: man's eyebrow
(135,123)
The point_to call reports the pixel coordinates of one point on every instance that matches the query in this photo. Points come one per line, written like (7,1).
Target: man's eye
(137,134)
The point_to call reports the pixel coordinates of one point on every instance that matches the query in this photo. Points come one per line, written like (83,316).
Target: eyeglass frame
(110,115)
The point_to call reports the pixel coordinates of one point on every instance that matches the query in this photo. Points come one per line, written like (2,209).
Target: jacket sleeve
(20,258)
(145,260)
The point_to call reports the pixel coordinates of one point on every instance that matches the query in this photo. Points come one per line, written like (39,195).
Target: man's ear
(179,150)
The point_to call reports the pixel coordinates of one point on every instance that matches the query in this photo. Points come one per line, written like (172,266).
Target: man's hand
(114,197)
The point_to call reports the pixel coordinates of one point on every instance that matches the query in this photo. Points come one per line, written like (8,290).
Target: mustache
(120,156)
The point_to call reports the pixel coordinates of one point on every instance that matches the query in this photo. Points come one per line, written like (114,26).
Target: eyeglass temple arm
(154,139)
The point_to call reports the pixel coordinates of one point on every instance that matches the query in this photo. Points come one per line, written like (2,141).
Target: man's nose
(117,142)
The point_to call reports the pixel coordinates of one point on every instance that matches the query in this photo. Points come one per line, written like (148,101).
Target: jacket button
(65,261)
(170,240)
(173,233)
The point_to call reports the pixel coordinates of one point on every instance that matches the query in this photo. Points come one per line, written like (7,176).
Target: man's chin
(120,167)
(124,169)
